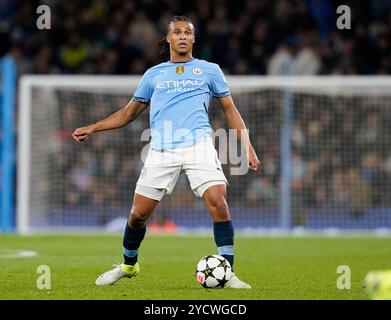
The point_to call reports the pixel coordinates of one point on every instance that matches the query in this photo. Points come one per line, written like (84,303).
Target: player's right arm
(117,120)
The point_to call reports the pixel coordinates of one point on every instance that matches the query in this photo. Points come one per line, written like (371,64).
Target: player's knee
(137,219)
(219,207)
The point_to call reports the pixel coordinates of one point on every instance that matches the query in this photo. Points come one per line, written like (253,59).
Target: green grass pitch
(276,267)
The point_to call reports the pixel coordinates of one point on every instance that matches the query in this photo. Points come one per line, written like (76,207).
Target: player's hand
(81,134)
(253,161)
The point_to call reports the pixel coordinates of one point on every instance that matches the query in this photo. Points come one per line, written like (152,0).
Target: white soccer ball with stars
(213,271)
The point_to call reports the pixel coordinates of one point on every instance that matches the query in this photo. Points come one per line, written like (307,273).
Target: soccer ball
(377,284)
(213,271)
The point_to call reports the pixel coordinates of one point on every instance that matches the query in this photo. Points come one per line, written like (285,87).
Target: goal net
(323,142)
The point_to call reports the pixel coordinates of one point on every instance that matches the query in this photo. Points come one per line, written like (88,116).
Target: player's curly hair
(164,46)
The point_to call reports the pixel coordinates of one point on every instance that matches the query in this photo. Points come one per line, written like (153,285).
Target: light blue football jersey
(179,95)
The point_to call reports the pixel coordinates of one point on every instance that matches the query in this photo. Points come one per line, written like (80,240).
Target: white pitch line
(16,254)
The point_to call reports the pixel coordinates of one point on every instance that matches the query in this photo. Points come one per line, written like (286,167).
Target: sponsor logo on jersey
(197,70)
(180,69)
(168,84)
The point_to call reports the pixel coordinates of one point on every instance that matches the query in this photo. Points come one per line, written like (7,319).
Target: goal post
(323,142)
(26,85)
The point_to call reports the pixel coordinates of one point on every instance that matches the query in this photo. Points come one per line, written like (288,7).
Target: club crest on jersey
(197,70)
(180,69)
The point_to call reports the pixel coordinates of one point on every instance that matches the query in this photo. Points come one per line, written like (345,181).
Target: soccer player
(178,92)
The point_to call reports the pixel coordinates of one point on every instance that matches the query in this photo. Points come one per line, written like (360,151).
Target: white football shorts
(162,169)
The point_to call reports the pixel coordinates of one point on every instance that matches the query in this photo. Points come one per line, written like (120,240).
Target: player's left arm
(235,121)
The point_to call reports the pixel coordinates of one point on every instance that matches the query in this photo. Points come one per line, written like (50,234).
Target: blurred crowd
(244,37)
(340,144)
(340,153)
(102,172)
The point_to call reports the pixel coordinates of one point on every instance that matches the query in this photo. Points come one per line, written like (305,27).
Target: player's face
(181,37)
